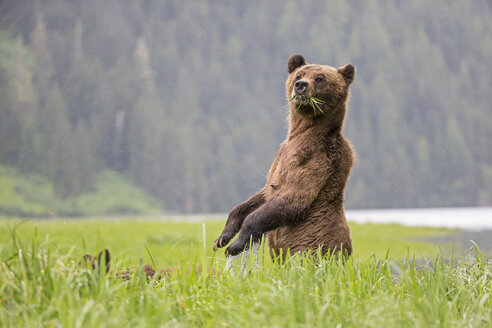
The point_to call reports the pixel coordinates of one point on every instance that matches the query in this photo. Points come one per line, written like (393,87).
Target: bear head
(318,92)
(96,262)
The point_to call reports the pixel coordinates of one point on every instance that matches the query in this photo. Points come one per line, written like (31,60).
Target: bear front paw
(223,240)
(236,247)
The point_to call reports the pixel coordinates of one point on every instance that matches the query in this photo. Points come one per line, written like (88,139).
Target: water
(468,218)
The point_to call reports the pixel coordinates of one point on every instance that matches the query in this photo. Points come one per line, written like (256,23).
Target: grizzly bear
(104,258)
(301,206)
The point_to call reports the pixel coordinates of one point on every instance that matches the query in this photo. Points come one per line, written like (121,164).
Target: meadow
(396,278)
(33,195)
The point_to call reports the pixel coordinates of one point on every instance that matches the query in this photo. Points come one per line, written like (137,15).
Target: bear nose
(301,86)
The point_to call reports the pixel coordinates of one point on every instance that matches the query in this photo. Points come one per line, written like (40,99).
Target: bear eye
(319,79)
(298,77)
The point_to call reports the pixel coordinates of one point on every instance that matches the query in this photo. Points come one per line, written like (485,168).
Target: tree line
(187,98)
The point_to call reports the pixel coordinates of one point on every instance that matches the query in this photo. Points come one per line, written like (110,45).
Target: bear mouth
(303,102)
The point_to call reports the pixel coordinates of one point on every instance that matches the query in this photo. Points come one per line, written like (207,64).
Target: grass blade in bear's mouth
(314,102)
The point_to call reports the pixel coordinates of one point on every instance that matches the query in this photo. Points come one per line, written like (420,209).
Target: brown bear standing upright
(301,205)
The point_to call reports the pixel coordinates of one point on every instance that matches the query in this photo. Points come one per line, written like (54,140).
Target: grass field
(380,286)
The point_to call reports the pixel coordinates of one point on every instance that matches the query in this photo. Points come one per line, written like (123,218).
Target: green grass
(314,102)
(41,284)
(33,195)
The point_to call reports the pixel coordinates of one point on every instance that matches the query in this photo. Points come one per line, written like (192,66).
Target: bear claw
(235,249)
(217,244)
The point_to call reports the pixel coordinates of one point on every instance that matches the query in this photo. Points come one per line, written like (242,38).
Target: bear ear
(348,73)
(106,257)
(295,61)
(87,260)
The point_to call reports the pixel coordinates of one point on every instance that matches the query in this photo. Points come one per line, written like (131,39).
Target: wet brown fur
(302,204)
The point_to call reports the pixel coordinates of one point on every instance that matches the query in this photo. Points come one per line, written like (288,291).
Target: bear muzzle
(301,86)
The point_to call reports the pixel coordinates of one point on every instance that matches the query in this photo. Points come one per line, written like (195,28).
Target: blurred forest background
(137,106)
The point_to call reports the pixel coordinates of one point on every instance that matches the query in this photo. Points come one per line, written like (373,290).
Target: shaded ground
(464,240)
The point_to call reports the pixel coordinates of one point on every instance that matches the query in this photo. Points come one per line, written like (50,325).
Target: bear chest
(289,159)
(276,178)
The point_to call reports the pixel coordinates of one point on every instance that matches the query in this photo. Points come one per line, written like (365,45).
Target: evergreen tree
(188,100)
